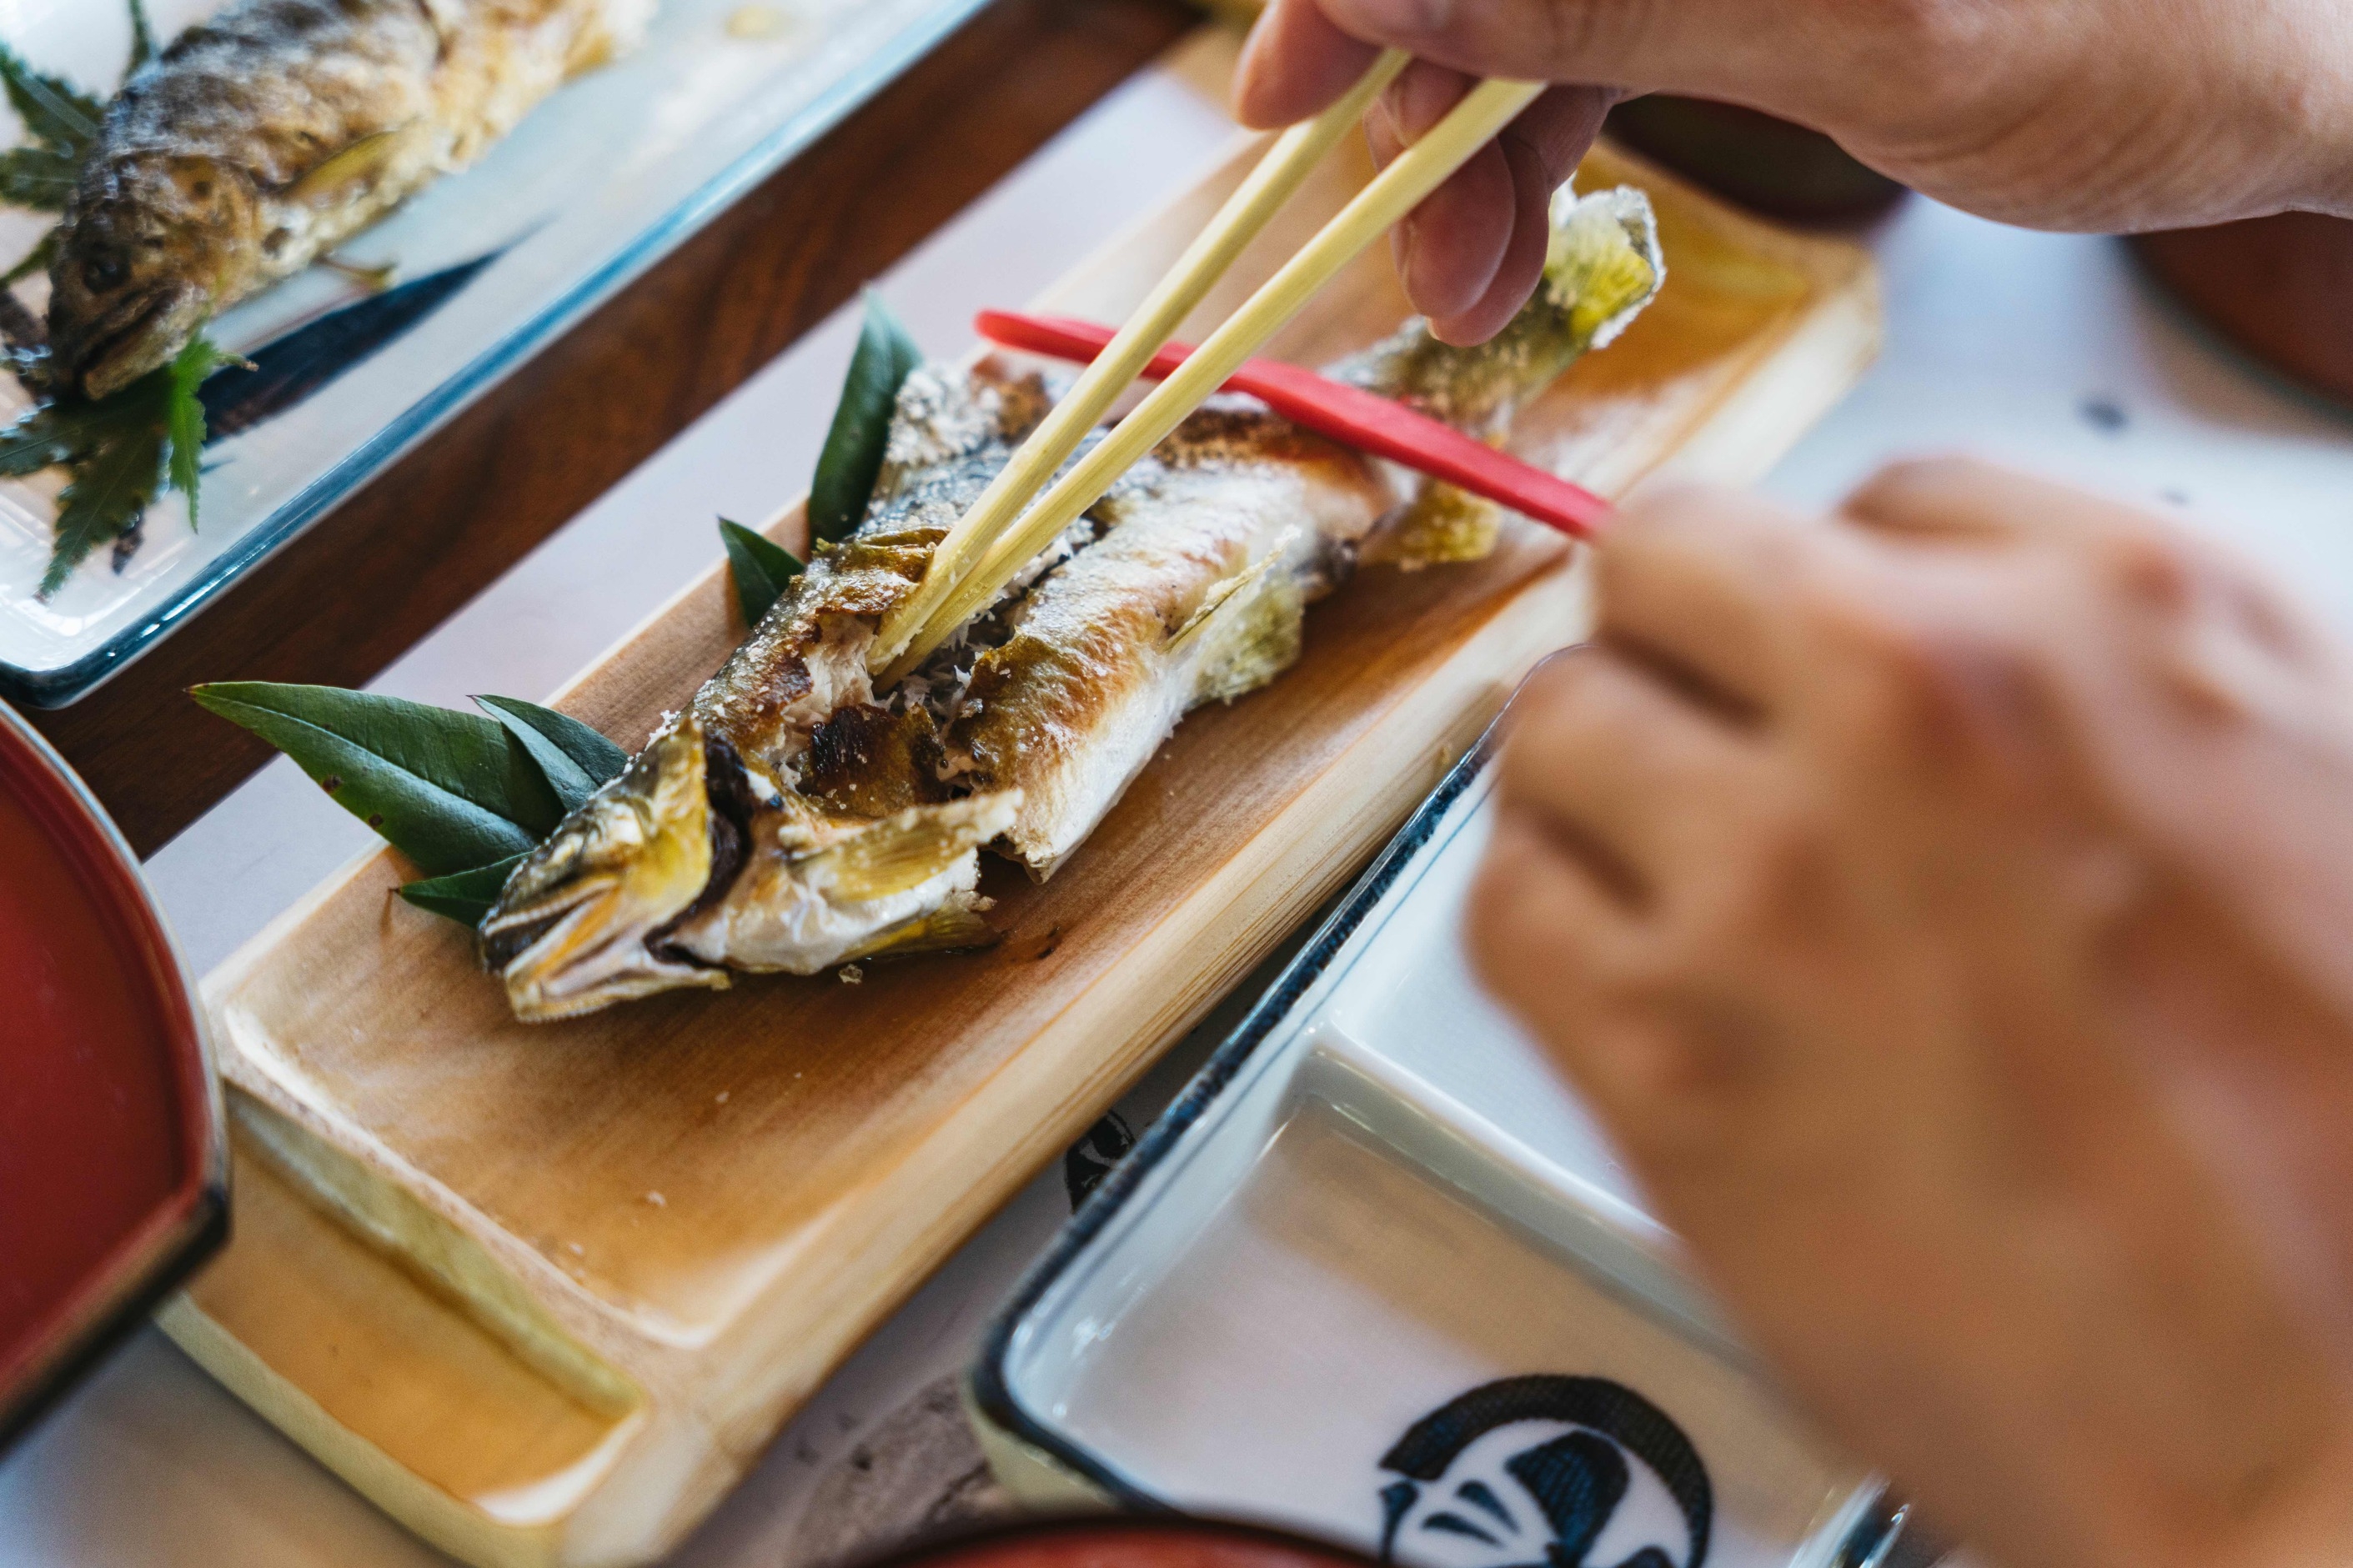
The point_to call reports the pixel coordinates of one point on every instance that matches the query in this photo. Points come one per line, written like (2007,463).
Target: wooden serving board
(544,1292)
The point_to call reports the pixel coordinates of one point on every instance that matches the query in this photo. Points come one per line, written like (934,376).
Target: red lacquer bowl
(1125,1541)
(112,1172)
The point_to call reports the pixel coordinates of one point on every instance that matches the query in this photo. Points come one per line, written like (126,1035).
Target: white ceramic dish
(601,181)
(1377,1276)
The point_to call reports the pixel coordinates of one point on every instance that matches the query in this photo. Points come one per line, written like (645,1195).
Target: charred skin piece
(264,138)
(792,818)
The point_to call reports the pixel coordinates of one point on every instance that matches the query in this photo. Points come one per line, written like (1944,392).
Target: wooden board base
(544,1292)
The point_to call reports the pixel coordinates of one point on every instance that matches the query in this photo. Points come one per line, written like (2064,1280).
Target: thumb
(1751,51)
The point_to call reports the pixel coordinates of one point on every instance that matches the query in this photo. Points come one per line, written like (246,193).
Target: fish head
(149,247)
(579,924)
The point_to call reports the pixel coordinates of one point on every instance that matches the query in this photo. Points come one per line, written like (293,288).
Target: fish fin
(1219,596)
(951,929)
(348,173)
(1252,632)
(1603,264)
(904,852)
(1439,525)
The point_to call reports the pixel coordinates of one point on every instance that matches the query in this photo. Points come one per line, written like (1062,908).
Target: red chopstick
(1365,420)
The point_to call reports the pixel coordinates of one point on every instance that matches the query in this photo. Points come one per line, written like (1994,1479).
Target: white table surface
(2022,346)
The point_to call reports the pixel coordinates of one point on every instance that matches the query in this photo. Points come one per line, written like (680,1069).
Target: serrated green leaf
(110,491)
(574,759)
(142,37)
(467,896)
(37,441)
(41,178)
(37,259)
(54,112)
(852,455)
(451,791)
(761,567)
(184,418)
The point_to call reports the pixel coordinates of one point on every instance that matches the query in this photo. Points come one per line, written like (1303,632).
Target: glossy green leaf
(574,759)
(55,114)
(451,791)
(38,440)
(465,896)
(761,567)
(852,456)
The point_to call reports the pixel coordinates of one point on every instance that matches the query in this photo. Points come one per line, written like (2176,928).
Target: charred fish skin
(1215,545)
(265,137)
(760,829)
(1196,591)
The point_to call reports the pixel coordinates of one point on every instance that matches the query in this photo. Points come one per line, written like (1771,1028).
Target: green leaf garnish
(465,897)
(760,566)
(123,448)
(142,37)
(39,177)
(109,492)
(574,759)
(451,791)
(53,110)
(852,455)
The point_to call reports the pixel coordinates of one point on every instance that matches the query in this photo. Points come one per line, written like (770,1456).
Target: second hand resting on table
(1945,903)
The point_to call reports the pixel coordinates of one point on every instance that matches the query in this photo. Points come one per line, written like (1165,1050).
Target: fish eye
(104,269)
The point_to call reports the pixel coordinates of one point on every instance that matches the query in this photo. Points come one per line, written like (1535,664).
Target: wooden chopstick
(1261,196)
(1394,191)
(1365,420)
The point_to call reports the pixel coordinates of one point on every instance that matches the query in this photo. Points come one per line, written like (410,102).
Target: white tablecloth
(2044,351)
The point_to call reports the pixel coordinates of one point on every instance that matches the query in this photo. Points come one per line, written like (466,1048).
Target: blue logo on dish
(1547,1472)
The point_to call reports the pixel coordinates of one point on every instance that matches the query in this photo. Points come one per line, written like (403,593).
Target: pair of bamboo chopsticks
(992,541)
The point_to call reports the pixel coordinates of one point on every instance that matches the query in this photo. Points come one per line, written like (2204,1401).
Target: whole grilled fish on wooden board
(793,818)
(262,138)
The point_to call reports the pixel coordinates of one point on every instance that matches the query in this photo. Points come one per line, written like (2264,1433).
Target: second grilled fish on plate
(269,135)
(793,818)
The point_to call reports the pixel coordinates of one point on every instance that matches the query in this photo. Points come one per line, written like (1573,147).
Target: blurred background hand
(1946,905)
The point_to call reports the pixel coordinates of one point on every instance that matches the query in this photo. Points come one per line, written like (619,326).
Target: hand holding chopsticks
(989,546)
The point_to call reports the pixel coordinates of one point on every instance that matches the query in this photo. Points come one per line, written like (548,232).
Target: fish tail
(904,852)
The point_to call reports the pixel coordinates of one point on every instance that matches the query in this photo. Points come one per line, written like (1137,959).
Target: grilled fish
(264,138)
(794,818)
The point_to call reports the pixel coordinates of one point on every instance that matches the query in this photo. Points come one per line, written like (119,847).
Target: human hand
(1945,906)
(2096,115)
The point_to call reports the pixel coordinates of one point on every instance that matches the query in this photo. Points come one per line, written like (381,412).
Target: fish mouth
(127,341)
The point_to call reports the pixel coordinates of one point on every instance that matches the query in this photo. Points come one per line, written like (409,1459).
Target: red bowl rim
(152,1258)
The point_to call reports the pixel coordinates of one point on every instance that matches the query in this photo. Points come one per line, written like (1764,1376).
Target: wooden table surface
(368,580)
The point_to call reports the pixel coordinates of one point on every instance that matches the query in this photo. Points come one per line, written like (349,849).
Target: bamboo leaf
(451,791)
(142,37)
(53,111)
(852,455)
(574,759)
(465,896)
(761,567)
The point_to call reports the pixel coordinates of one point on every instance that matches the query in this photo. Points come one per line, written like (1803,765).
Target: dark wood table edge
(366,582)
